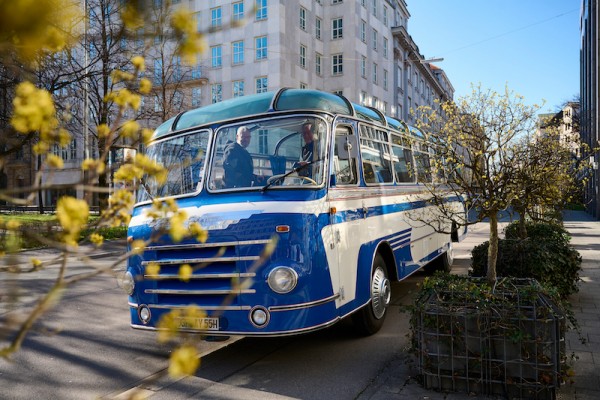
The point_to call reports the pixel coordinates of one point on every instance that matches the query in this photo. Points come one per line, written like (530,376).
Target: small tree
(476,140)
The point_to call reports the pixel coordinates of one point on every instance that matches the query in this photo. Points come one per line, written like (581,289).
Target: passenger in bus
(237,162)
(306,156)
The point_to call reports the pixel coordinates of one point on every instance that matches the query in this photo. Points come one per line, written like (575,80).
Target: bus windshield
(265,153)
(183,157)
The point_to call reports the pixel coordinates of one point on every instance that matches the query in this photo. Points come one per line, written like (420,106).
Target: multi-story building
(566,124)
(359,48)
(590,98)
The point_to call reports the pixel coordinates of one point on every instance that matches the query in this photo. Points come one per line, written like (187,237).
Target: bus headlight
(126,282)
(282,279)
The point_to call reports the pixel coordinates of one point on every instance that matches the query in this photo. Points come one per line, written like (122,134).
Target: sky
(531,46)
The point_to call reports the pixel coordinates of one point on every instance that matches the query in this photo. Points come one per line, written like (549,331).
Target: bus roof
(281,100)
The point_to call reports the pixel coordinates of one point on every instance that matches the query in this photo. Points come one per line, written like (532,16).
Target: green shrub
(539,231)
(545,256)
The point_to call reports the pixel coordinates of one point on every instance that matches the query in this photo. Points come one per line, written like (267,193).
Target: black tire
(369,319)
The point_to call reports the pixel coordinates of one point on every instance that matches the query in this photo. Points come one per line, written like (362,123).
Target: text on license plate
(205,324)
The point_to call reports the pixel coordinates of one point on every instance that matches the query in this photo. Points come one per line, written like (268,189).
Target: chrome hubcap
(381,293)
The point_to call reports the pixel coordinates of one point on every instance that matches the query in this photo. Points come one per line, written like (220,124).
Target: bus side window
(343,160)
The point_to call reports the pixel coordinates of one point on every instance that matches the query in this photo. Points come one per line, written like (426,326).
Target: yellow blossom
(54,161)
(36,262)
(103,131)
(185,272)
(152,269)
(72,215)
(176,226)
(97,239)
(198,232)
(138,246)
(184,361)
(33,109)
(12,224)
(147,136)
(138,63)
(130,129)
(145,86)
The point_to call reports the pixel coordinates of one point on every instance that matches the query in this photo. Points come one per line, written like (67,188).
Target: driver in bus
(306,156)
(237,162)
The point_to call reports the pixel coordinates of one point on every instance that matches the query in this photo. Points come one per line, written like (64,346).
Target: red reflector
(282,229)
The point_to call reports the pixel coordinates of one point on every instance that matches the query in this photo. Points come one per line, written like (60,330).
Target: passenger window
(344,165)
(376,157)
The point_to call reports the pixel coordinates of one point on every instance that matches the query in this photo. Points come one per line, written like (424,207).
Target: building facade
(590,99)
(358,48)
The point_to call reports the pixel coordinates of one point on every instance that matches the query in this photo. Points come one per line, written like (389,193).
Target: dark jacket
(237,163)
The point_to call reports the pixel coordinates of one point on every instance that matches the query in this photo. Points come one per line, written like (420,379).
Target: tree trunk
(493,248)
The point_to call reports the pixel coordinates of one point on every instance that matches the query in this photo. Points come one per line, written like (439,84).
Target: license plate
(204,324)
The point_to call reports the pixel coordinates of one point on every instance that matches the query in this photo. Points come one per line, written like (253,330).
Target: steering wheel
(280,176)
(306,178)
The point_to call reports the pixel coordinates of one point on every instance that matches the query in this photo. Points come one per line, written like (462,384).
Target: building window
(72,149)
(374,44)
(216,18)
(177,100)
(196,97)
(176,76)
(363,66)
(375,73)
(302,18)
(363,31)
(385,79)
(216,59)
(363,3)
(337,28)
(318,58)
(260,44)
(303,85)
(374,8)
(262,84)
(158,71)
(238,52)
(385,15)
(385,47)
(302,56)
(337,66)
(336,1)
(339,92)
(263,141)
(238,11)
(363,98)
(318,28)
(238,88)
(198,22)
(261,10)
(197,70)
(216,92)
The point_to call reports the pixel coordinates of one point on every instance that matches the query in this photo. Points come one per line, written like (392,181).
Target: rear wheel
(369,319)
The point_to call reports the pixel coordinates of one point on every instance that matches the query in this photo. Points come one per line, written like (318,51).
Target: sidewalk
(397,380)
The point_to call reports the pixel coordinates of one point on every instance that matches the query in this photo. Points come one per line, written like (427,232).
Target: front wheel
(369,319)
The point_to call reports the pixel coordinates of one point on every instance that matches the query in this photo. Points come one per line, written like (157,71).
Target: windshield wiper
(277,178)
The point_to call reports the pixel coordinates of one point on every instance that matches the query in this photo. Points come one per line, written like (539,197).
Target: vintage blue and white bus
(340,218)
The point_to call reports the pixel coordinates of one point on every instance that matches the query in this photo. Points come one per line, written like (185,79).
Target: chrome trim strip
(183,307)
(199,292)
(304,305)
(265,334)
(207,245)
(201,260)
(200,276)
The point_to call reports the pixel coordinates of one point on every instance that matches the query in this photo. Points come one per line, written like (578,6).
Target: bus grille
(222,272)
